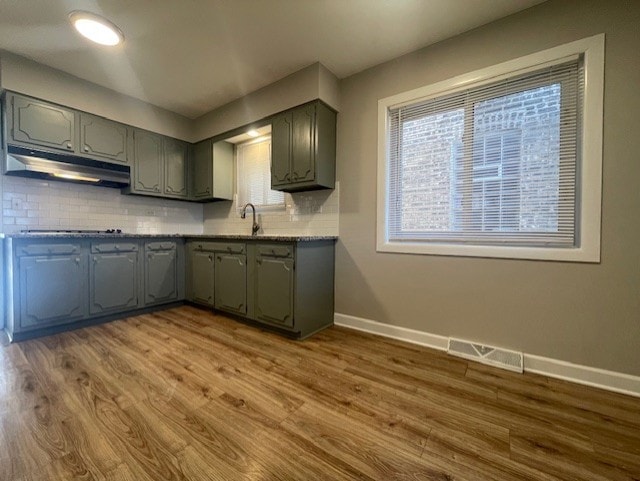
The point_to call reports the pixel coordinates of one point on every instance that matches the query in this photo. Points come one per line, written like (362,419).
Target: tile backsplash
(36,204)
(304,213)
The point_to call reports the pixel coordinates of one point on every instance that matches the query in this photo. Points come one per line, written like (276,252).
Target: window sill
(576,254)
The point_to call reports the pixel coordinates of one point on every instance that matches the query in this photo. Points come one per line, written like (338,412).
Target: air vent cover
(494,356)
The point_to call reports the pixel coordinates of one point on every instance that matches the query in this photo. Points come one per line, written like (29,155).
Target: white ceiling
(191,56)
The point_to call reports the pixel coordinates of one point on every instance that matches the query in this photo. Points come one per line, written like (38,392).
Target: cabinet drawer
(47,249)
(230,248)
(275,250)
(114,247)
(203,246)
(160,246)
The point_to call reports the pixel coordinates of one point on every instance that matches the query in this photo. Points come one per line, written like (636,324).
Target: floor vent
(493,356)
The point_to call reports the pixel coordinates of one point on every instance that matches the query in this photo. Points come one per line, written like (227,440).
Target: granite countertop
(93,235)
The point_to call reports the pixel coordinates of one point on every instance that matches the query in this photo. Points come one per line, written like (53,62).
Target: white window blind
(495,164)
(254,175)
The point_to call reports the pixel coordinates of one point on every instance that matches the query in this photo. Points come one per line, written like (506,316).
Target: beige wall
(22,75)
(310,83)
(583,313)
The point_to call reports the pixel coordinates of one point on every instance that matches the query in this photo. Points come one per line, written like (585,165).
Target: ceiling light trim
(96,28)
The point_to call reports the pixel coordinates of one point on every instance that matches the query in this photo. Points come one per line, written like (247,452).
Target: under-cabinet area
(62,282)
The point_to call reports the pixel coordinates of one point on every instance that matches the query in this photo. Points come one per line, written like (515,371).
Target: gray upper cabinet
(38,123)
(212,171)
(161,276)
(113,277)
(103,139)
(303,148)
(274,277)
(176,168)
(52,288)
(147,175)
(231,279)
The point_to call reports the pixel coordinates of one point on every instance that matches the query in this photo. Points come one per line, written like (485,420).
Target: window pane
(516,159)
(254,175)
(430,146)
(495,164)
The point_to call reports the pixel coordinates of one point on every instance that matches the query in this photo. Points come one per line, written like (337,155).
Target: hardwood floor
(185,394)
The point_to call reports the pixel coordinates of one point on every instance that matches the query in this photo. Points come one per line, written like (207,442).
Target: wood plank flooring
(188,395)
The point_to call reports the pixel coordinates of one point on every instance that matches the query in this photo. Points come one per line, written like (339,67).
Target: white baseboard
(589,376)
(394,332)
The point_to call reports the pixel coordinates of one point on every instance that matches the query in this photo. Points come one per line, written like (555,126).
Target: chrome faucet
(255,227)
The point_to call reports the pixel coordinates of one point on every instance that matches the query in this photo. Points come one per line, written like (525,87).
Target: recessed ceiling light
(95,28)
(253,133)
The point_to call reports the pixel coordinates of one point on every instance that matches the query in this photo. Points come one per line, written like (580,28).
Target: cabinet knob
(69,146)
(86,149)
(77,259)
(210,258)
(157,189)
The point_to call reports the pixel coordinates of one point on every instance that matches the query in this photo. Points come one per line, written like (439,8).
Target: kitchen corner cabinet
(230,274)
(103,139)
(52,286)
(303,148)
(41,124)
(285,285)
(113,277)
(212,171)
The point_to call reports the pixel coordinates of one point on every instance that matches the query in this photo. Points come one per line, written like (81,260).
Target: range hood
(50,166)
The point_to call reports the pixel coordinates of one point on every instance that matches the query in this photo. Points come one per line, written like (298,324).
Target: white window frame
(589,183)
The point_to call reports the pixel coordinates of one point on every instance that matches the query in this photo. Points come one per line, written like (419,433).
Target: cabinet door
(102,138)
(113,282)
(281,149)
(202,170)
(231,283)
(176,156)
(274,290)
(161,276)
(202,277)
(147,162)
(53,290)
(39,123)
(303,144)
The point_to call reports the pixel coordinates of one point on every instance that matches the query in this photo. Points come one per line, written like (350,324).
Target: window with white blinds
(496,163)
(254,175)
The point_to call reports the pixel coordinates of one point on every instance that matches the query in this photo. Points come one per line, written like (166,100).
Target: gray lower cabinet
(38,123)
(286,285)
(52,289)
(273,281)
(103,139)
(200,274)
(56,282)
(113,277)
(161,282)
(230,273)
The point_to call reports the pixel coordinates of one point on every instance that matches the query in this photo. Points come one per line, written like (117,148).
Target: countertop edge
(300,238)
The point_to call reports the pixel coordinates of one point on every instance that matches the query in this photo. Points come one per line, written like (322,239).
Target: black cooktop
(70,231)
